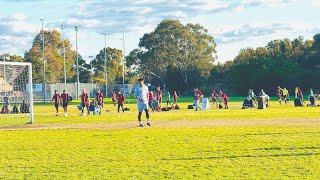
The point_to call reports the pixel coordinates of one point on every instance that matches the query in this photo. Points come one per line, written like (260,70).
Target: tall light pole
(91,70)
(105,63)
(64,59)
(44,65)
(123,57)
(4,69)
(76,29)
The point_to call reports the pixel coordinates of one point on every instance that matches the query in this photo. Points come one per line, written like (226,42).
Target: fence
(71,89)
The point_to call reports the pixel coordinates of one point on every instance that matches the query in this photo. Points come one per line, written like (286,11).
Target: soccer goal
(16,91)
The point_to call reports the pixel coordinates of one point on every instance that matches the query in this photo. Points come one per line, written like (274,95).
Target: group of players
(144,97)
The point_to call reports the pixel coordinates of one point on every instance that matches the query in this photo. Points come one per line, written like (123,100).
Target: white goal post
(16,88)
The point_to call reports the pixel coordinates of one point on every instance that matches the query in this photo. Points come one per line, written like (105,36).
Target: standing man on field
(197,96)
(141,93)
(99,98)
(159,96)
(120,99)
(84,102)
(56,100)
(65,101)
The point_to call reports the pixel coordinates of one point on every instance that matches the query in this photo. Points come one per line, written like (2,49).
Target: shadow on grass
(242,156)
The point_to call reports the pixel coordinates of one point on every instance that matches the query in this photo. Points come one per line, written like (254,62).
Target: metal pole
(44,65)
(31,94)
(4,69)
(123,58)
(106,63)
(76,29)
(64,59)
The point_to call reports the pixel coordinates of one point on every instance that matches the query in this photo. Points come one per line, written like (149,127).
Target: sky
(235,24)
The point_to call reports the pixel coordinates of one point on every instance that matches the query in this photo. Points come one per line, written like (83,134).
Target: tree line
(182,57)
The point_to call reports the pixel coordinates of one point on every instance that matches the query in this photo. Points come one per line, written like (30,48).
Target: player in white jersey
(141,94)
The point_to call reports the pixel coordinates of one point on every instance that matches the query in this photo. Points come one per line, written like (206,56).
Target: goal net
(16,92)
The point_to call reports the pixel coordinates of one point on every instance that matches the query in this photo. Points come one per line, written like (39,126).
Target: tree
(113,63)
(84,70)
(189,50)
(53,57)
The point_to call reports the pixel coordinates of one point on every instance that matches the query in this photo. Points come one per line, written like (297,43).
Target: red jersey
(56,98)
(225,97)
(99,97)
(159,94)
(150,96)
(85,98)
(65,97)
(120,98)
(175,96)
(214,95)
(299,92)
(197,95)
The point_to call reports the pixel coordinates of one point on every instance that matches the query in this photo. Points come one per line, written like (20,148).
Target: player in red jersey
(114,97)
(65,101)
(225,99)
(159,96)
(214,96)
(85,102)
(120,99)
(175,98)
(56,100)
(279,95)
(151,100)
(99,98)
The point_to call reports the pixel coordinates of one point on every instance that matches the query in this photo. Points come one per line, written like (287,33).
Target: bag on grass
(126,109)
(79,106)
(190,107)
(297,102)
(176,107)
(220,106)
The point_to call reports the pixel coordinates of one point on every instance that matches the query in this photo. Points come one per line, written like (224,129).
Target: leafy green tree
(188,49)
(53,57)
(114,57)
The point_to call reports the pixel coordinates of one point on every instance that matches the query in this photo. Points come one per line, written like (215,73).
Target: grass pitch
(278,143)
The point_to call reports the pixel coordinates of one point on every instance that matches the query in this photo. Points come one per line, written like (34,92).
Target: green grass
(278,143)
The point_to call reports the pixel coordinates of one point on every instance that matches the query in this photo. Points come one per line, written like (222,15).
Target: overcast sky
(235,24)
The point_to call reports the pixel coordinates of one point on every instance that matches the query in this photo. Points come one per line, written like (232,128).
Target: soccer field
(282,142)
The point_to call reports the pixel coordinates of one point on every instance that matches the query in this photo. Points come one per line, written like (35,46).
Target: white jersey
(142,93)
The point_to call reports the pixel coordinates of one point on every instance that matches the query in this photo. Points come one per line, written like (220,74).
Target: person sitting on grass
(247,103)
(24,108)
(15,110)
(121,100)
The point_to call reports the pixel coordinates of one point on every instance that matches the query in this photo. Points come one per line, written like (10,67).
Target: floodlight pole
(105,63)
(4,69)
(76,29)
(64,59)
(123,57)
(44,65)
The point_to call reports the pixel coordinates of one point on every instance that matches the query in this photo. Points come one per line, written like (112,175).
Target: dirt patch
(173,124)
